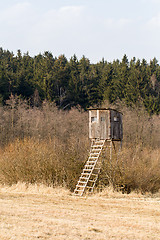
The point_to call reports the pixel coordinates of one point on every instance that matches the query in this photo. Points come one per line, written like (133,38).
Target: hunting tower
(105,126)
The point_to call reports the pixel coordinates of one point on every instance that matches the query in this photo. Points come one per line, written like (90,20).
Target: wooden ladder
(91,169)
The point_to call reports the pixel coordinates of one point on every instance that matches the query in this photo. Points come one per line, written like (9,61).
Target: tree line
(75,82)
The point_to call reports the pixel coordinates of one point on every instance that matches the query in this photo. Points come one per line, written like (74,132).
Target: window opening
(102,119)
(93,119)
(115,119)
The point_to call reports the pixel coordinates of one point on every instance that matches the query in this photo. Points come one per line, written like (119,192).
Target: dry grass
(137,167)
(37,212)
(33,161)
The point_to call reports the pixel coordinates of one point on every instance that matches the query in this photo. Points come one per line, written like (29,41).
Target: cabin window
(93,119)
(115,119)
(102,119)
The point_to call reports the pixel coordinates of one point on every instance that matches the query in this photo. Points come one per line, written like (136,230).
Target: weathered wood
(105,124)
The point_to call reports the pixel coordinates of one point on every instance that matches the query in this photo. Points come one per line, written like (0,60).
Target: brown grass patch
(39,212)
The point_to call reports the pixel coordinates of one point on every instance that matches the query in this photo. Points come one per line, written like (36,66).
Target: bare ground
(38,212)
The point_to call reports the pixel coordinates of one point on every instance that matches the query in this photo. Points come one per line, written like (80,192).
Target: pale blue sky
(94,28)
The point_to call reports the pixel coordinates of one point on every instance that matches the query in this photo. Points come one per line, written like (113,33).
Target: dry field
(38,212)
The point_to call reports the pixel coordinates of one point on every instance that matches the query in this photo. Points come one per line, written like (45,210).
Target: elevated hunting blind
(105,126)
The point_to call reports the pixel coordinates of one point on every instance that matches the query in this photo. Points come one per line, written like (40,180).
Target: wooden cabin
(105,124)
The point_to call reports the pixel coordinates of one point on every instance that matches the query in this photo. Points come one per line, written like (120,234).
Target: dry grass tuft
(34,189)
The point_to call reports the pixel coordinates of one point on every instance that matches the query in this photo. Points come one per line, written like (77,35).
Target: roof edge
(104,109)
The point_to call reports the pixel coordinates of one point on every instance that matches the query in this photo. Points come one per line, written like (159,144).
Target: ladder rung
(88,169)
(95,151)
(92,159)
(85,173)
(98,145)
(79,186)
(89,165)
(83,178)
(93,156)
(89,187)
(91,162)
(82,182)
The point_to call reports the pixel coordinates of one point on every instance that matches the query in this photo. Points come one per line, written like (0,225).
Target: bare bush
(33,161)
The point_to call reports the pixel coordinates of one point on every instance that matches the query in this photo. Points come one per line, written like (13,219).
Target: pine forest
(79,83)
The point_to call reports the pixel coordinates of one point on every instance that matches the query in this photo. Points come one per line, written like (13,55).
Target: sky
(94,28)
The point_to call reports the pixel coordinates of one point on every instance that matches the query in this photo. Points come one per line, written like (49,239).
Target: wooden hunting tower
(105,124)
(105,127)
